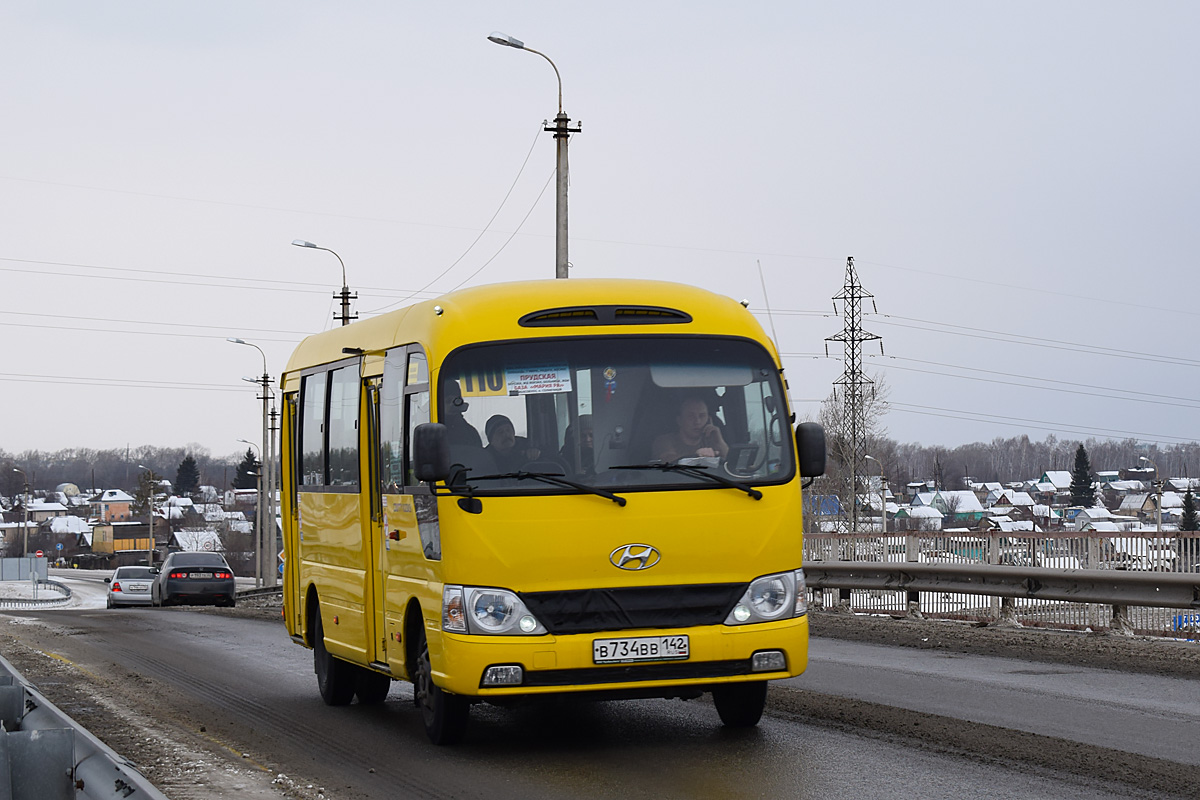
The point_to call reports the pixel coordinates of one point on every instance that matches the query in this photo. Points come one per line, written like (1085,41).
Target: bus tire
(444,714)
(740,705)
(335,678)
(371,687)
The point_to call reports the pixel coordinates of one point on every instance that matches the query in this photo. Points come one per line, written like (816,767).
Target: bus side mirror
(810,444)
(431,452)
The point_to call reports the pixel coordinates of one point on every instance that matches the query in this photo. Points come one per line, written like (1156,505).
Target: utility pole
(562,131)
(854,385)
(270,570)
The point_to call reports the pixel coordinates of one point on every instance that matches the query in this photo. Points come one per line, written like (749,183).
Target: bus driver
(696,436)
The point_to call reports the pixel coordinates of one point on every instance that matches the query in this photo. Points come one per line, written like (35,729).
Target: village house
(112,505)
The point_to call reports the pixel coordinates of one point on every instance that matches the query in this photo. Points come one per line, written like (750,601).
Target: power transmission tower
(854,385)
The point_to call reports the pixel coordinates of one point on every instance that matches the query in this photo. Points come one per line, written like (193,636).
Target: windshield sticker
(483,383)
(546,379)
(610,383)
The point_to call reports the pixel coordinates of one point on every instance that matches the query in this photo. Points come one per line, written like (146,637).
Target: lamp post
(1157,504)
(344,295)
(149,513)
(25,508)
(882,492)
(562,131)
(266,491)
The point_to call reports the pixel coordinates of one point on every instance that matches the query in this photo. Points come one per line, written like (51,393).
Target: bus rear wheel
(444,714)
(740,705)
(335,678)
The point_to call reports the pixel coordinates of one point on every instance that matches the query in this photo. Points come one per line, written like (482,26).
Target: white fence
(1065,550)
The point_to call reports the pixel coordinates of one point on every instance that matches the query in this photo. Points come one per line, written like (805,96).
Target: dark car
(193,578)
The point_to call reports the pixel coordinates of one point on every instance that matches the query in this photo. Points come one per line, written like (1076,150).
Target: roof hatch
(603,315)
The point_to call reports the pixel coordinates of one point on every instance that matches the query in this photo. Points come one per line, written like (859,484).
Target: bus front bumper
(495,666)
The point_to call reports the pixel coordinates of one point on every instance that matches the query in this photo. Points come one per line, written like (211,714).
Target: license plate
(138,587)
(642,648)
(200,575)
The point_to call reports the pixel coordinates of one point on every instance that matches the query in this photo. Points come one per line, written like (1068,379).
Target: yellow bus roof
(494,312)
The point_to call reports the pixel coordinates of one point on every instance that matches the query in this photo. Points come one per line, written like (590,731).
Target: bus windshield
(615,412)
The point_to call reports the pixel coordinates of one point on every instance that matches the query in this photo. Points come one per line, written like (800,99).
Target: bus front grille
(626,608)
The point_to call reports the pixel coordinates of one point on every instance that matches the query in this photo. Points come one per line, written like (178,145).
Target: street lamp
(149,513)
(882,491)
(266,486)
(344,295)
(25,508)
(562,130)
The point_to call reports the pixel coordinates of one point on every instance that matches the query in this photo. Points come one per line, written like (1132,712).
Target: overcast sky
(1016,181)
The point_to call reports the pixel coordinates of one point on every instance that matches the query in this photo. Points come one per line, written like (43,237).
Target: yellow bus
(546,487)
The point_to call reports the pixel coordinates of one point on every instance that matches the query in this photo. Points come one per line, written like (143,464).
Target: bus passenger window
(391,423)
(312,430)
(418,413)
(343,426)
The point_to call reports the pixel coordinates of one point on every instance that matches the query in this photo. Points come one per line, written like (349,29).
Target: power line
(122,383)
(488,225)
(1187,402)
(144,322)
(274,285)
(1073,347)
(134,333)
(978,416)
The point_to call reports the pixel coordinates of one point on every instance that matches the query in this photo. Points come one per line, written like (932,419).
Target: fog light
(528,624)
(741,613)
(505,675)
(768,661)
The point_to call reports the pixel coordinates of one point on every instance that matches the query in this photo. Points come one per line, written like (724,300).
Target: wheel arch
(312,607)
(414,624)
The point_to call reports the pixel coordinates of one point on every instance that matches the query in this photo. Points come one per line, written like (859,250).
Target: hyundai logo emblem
(634,556)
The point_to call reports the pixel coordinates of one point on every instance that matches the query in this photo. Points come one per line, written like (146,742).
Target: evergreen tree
(249,464)
(1189,521)
(187,477)
(1082,491)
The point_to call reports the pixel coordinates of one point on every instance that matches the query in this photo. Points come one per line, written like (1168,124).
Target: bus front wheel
(740,705)
(335,678)
(444,714)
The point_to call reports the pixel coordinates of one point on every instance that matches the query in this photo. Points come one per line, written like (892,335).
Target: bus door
(376,624)
(409,547)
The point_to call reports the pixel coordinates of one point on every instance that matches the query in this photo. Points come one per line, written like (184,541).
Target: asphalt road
(240,699)
(244,680)
(1154,716)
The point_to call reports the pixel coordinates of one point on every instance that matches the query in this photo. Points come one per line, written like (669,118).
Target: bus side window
(391,423)
(312,429)
(342,429)
(416,406)
(417,413)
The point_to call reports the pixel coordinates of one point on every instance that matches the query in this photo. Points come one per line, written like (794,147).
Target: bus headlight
(484,610)
(769,598)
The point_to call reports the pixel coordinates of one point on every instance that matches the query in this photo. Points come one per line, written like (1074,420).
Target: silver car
(129,586)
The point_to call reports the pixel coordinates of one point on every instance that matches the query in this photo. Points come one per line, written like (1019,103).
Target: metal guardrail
(1115,588)
(45,755)
(1108,587)
(63,591)
(262,592)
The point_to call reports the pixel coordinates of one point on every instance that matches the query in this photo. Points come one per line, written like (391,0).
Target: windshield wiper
(553,479)
(698,472)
